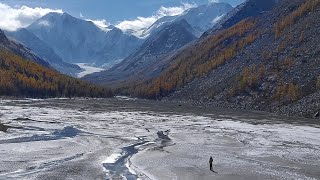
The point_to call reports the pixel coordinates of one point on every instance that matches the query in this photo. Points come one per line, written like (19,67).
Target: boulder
(3,127)
(163,135)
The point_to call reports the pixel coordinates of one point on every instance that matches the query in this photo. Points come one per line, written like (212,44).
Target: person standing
(210,163)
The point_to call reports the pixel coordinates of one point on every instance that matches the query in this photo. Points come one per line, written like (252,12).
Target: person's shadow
(214,171)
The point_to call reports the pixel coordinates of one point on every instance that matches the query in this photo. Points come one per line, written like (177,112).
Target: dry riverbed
(125,138)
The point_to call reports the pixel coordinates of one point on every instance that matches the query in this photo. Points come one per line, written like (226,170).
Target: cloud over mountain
(141,23)
(13,18)
(100,23)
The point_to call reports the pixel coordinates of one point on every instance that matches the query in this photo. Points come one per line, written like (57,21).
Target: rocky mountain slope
(137,65)
(80,41)
(244,10)
(17,48)
(39,47)
(117,46)
(266,62)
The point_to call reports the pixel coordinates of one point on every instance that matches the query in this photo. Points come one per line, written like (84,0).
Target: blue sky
(112,11)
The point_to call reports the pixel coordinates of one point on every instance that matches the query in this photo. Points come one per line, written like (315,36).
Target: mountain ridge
(19,49)
(200,18)
(44,51)
(79,41)
(151,58)
(170,38)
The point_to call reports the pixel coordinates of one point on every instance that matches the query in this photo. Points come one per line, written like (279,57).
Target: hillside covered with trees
(268,62)
(23,78)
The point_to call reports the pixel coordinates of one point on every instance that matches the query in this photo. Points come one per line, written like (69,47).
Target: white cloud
(173,11)
(100,23)
(139,24)
(214,1)
(13,18)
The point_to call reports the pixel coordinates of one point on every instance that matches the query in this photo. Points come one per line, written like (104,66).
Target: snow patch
(44,23)
(87,69)
(130,169)
(125,98)
(112,158)
(215,20)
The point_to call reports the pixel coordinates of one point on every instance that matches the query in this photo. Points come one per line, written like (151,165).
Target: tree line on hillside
(24,78)
(289,20)
(213,52)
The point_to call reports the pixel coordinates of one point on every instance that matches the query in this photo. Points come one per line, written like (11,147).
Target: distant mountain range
(200,18)
(80,41)
(157,46)
(63,40)
(166,35)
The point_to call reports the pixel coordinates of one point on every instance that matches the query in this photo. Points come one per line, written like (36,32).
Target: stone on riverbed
(163,135)
(3,127)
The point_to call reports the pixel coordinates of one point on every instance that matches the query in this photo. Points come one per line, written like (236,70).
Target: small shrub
(287,92)
(290,19)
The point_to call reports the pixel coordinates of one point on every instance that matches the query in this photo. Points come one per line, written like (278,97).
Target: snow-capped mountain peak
(200,18)
(81,41)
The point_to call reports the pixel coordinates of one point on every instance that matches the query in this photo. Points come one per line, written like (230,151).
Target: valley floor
(306,107)
(119,139)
